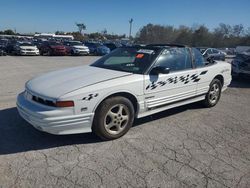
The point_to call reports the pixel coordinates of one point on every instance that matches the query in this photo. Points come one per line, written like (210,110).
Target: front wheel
(113,118)
(214,93)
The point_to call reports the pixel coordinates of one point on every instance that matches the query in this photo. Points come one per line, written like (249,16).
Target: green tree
(9,32)
(60,33)
(81,27)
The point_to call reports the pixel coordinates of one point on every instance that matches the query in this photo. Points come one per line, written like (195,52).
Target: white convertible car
(130,82)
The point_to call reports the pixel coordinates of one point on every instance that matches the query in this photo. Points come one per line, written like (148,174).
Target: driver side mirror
(160,70)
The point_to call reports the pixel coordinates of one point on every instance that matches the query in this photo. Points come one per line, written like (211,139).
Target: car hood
(56,84)
(80,47)
(28,47)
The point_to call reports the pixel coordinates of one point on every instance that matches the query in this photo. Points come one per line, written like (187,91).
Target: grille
(30,53)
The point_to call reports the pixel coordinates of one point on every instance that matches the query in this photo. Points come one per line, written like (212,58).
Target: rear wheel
(214,93)
(113,118)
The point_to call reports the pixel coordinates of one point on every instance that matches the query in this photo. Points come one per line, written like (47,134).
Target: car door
(203,73)
(179,84)
(45,47)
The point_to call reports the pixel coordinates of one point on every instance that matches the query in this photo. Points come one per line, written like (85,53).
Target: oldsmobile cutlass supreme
(130,82)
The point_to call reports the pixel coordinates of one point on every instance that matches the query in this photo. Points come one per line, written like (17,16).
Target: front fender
(107,95)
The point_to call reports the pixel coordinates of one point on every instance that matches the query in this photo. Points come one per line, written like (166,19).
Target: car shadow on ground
(19,136)
(242,82)
(168,113)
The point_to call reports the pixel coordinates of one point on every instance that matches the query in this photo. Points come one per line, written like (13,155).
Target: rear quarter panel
(210,72)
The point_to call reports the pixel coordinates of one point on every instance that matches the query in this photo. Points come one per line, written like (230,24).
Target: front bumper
(59,121)
(24,52)
(81,52)
(59,52)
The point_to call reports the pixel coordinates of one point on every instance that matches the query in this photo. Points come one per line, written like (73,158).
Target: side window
(175,59)
(199,60)
(215,51)
(209,51)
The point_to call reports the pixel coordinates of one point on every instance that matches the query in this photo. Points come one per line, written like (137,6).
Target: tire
(214,93)
(113,118)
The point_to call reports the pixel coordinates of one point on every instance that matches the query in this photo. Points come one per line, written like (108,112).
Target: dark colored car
(112,46)
(3,44)
(97,48)
(10,47)
(2,51)
(241,65)
(212,53)
(53,48)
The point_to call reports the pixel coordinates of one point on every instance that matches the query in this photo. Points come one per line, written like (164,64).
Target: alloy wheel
(116,119)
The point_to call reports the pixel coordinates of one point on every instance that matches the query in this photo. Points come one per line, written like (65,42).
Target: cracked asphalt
(189,146)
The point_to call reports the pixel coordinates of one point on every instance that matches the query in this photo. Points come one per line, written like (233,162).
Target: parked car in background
(25,48)
(242,49)
(212,53)
(76,48)
(38,42)
(10,46)
(112,46)
(97,48)
(2,51)
(241,64)
(53,48)
(128,83)
(3,44)
(228,51)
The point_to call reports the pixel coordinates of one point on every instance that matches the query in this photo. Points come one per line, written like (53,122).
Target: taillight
(64,103)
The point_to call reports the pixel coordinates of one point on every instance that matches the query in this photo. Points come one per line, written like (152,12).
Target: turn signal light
(64,103)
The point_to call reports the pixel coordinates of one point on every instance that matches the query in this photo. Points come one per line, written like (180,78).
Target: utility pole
(130,26)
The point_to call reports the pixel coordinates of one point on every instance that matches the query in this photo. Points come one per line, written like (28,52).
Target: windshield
(134,60)
(26,44)
(202,50)
(75,43)
(54,43)
(93,44)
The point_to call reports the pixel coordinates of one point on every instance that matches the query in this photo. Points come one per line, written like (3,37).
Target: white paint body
(29,50)
(88,86)
(80,49)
